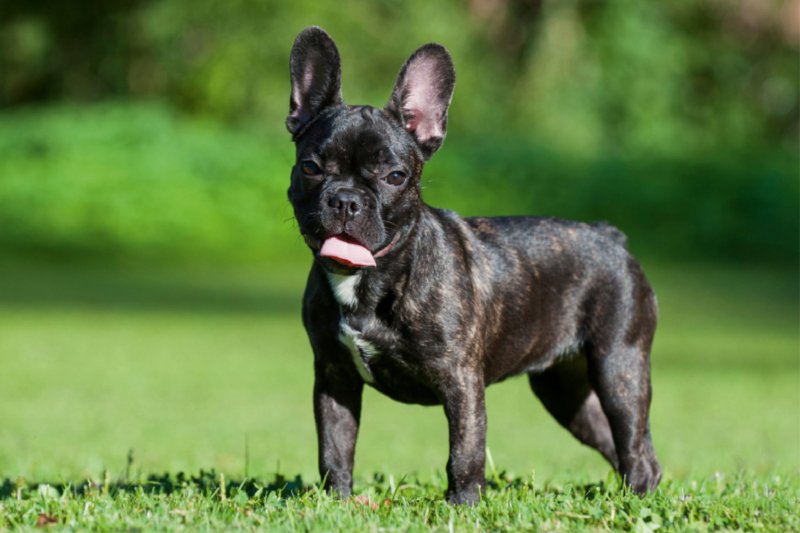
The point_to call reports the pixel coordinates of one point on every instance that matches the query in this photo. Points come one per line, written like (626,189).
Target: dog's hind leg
(618,357)
(622,382)
(565,391)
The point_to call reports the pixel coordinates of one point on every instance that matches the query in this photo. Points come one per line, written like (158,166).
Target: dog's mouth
(348,251)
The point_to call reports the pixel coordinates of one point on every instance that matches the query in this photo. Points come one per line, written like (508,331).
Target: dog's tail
(611,232)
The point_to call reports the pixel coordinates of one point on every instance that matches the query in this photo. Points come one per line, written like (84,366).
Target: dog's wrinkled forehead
(358,139)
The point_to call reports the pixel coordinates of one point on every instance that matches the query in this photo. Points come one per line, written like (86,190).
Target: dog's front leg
(466,417)
(337,410)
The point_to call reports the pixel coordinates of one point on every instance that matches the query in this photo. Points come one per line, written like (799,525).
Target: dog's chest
(363,352)
(379,354)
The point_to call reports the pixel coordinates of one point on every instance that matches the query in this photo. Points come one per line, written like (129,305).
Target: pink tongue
(346,252)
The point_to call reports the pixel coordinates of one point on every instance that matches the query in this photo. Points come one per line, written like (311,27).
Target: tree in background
(676,121)
(587,75)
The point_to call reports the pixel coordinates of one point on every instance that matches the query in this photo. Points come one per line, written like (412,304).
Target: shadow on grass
(210,483)
(207,483)
(41,285)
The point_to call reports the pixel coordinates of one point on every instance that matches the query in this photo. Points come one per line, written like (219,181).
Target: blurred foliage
(122,179)
(589,76)
(676,121)
(118,179)
(726,206)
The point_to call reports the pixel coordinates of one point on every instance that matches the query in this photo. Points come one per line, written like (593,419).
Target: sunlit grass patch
(207,502)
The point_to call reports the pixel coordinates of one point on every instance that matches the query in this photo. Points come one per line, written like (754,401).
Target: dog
(430,308)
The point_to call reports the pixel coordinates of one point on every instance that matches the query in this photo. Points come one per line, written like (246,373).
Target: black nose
(347,203)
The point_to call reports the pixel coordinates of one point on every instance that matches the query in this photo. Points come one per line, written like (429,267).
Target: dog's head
(356,180)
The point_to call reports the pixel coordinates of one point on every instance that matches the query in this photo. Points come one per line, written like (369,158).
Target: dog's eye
(310,168)
(396,179)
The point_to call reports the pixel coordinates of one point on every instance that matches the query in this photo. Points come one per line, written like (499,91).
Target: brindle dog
(430,308)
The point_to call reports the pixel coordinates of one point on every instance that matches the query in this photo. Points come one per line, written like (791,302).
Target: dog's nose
(347,203)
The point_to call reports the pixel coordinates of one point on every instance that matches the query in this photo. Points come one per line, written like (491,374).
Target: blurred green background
(150,271)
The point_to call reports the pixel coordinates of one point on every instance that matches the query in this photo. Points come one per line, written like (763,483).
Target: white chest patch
(361,350)
(344,288)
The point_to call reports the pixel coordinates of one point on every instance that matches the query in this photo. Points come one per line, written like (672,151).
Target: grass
(200,369)
(742,503)
(183,367)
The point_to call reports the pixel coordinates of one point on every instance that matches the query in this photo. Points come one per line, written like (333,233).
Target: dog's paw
(645,476)
(468,496)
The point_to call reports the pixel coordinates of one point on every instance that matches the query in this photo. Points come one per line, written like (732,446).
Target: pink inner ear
(422,100)
(412,123)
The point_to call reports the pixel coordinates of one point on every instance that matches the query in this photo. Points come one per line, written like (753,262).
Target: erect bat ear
(316,72)
(422,95)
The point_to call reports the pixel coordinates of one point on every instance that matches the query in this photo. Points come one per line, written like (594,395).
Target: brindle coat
(454,304)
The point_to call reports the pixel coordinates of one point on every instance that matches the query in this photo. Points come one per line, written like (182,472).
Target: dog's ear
(422,95)
(316,77)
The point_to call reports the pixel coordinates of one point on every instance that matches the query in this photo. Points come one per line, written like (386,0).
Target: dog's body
(430,308)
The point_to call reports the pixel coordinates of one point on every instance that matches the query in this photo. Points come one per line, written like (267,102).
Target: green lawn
(185,366)
(209,503)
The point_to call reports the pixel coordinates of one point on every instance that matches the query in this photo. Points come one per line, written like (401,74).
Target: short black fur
(454,304)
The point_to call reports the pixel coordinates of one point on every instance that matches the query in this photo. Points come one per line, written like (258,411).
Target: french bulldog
(430,308)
